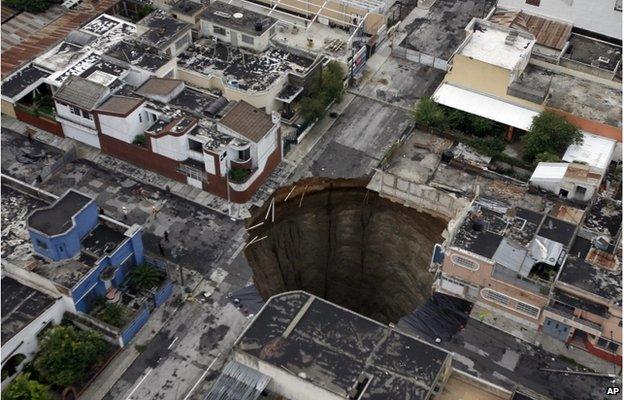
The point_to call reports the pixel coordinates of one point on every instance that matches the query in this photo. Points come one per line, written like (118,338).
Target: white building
(600,16)
(25,313)
(237,26)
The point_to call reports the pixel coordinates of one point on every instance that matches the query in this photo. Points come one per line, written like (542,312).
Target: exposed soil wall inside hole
(346,244)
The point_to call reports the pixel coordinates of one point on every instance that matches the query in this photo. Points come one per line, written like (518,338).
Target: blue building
(88,253)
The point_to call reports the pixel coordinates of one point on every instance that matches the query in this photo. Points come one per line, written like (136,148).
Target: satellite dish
(238,15)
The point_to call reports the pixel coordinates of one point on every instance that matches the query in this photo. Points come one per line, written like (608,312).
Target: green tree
(31,6)
(429,113)
(457,119)
(67,355)
(145,276)
(549,133)
(547,157)
(23,388)
(312,107)
(333,81)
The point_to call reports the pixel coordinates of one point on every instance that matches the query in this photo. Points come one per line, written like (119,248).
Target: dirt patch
(342,242)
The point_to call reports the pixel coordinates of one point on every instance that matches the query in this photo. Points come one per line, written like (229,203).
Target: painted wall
(484,78)
(261,43)
(67,244)
(133,327)
(597,16)
(125,128)
(174,147)
(80,133)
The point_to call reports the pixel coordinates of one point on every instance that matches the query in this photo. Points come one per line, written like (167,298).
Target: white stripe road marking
(171,345)
(149,371)
(201,378)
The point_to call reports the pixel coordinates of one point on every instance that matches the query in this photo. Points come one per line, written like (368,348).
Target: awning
(484,106)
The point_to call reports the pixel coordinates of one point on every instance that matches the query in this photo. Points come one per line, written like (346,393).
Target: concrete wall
(173,147)
(261,43)
(133,327)
(125,128)
(80,133)
(597,16)
(7,108)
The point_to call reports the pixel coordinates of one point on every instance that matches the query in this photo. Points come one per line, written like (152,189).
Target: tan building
(494,74)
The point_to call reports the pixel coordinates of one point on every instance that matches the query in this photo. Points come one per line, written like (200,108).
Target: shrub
(67,355)
(480,126)
(429,113)
(145,277)
(114,314)
(140,140)
(549,133)
(23,388)
(547,157)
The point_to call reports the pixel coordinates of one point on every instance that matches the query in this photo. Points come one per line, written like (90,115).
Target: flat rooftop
(250,71)
(57,218)
(24,79)
(20,306)
(15,208)
(593,52)
(489,43)
(163,29)
(334,348)
(577,96)
(102,240)
(599,281)
(441,31)
(595,151)
(138,54)
(604,216)
(238,18)
(66,273)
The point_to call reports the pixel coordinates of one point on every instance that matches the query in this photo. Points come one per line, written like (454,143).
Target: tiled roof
(81,92)
(120,105)
(248,121)
(52,34)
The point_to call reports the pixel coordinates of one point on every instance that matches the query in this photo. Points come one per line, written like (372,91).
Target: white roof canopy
(485,106)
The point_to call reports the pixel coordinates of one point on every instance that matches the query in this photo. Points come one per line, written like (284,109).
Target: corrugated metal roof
(52,34)
(238,382)
(595,151)
(547,32)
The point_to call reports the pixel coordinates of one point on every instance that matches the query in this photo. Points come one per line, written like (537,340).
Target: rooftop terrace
(237,18)
(138,54)
(335,348)
(604,216)
(251,71)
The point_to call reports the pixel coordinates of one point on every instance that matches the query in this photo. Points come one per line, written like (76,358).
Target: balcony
(241,164)
(508,276)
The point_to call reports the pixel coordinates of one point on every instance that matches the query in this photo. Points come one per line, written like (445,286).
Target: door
(556,329)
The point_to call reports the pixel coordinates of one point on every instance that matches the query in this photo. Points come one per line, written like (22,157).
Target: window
(140,118)
(618,5)
(527,309)
(86,114)
(535,3)
(181,42)
(218,30)
(195,146)
(41,244)
(244,155)
(247,39)
(464,262)
(495,297)
(580,190)
(607,345)
(74,110)
(153,117)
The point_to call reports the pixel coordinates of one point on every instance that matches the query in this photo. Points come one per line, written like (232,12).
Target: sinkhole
(342,242)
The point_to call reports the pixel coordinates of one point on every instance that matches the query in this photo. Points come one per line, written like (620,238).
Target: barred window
(495,297)
(247,39)
(464,262)
(218,30)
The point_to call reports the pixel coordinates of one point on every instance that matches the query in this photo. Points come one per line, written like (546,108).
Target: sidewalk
(205,199)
